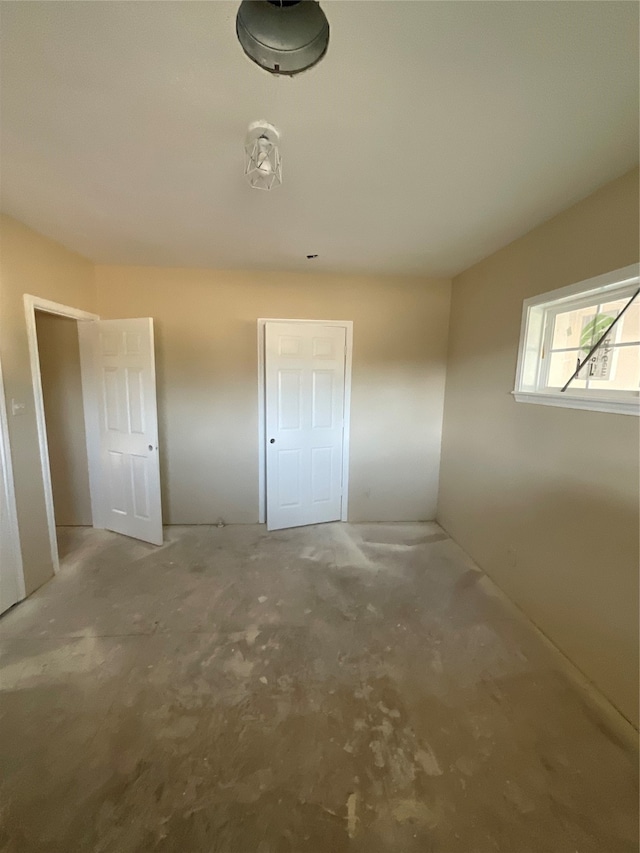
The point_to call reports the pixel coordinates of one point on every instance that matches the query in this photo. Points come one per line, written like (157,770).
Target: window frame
(536,334)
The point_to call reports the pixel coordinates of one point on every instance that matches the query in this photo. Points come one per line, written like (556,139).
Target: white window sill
(630,406)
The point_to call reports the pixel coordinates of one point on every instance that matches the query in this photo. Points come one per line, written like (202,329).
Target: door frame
(9,494)
(347,325)
(31,305)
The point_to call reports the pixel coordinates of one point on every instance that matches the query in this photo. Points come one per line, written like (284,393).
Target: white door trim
(31,304)
(8,488)
(262,461)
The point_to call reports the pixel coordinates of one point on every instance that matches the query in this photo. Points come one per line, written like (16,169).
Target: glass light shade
(263,166)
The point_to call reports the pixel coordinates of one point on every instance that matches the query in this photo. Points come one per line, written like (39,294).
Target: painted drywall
(206,350)
(59,353)
(546,499)
(30,263)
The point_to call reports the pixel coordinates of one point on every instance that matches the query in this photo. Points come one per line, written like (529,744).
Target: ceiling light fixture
(283,36)
(263,166)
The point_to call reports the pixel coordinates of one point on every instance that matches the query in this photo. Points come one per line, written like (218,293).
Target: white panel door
(9,559)
(11,580)
(119,384)
(304,403)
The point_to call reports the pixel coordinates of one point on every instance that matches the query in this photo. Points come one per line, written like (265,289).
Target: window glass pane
(594,327)
(562,365)
(601,362)
(623,373)
(561,332)
(576,328)
(630,324)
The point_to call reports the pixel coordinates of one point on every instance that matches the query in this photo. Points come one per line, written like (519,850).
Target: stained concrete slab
(326,689)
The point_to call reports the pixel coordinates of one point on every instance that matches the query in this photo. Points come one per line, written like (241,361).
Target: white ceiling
(430,135)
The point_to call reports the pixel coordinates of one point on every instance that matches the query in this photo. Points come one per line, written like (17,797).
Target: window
(559,332)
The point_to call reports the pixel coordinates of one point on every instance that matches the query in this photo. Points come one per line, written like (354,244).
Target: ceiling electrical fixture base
(283,36)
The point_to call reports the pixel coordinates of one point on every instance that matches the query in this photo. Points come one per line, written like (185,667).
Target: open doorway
(67,362)
(95,404)
(61,385)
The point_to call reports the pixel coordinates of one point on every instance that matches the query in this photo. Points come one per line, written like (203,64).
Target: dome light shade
(263,166)
(283,36)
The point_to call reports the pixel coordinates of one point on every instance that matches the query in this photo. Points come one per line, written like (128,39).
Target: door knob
(151,447)
(272,441)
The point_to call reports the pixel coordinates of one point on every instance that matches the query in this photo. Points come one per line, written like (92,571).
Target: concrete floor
(327,689)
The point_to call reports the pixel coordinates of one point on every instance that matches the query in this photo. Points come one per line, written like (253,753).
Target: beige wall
(30,263)
(206,354)
(546,499)
(59,352)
